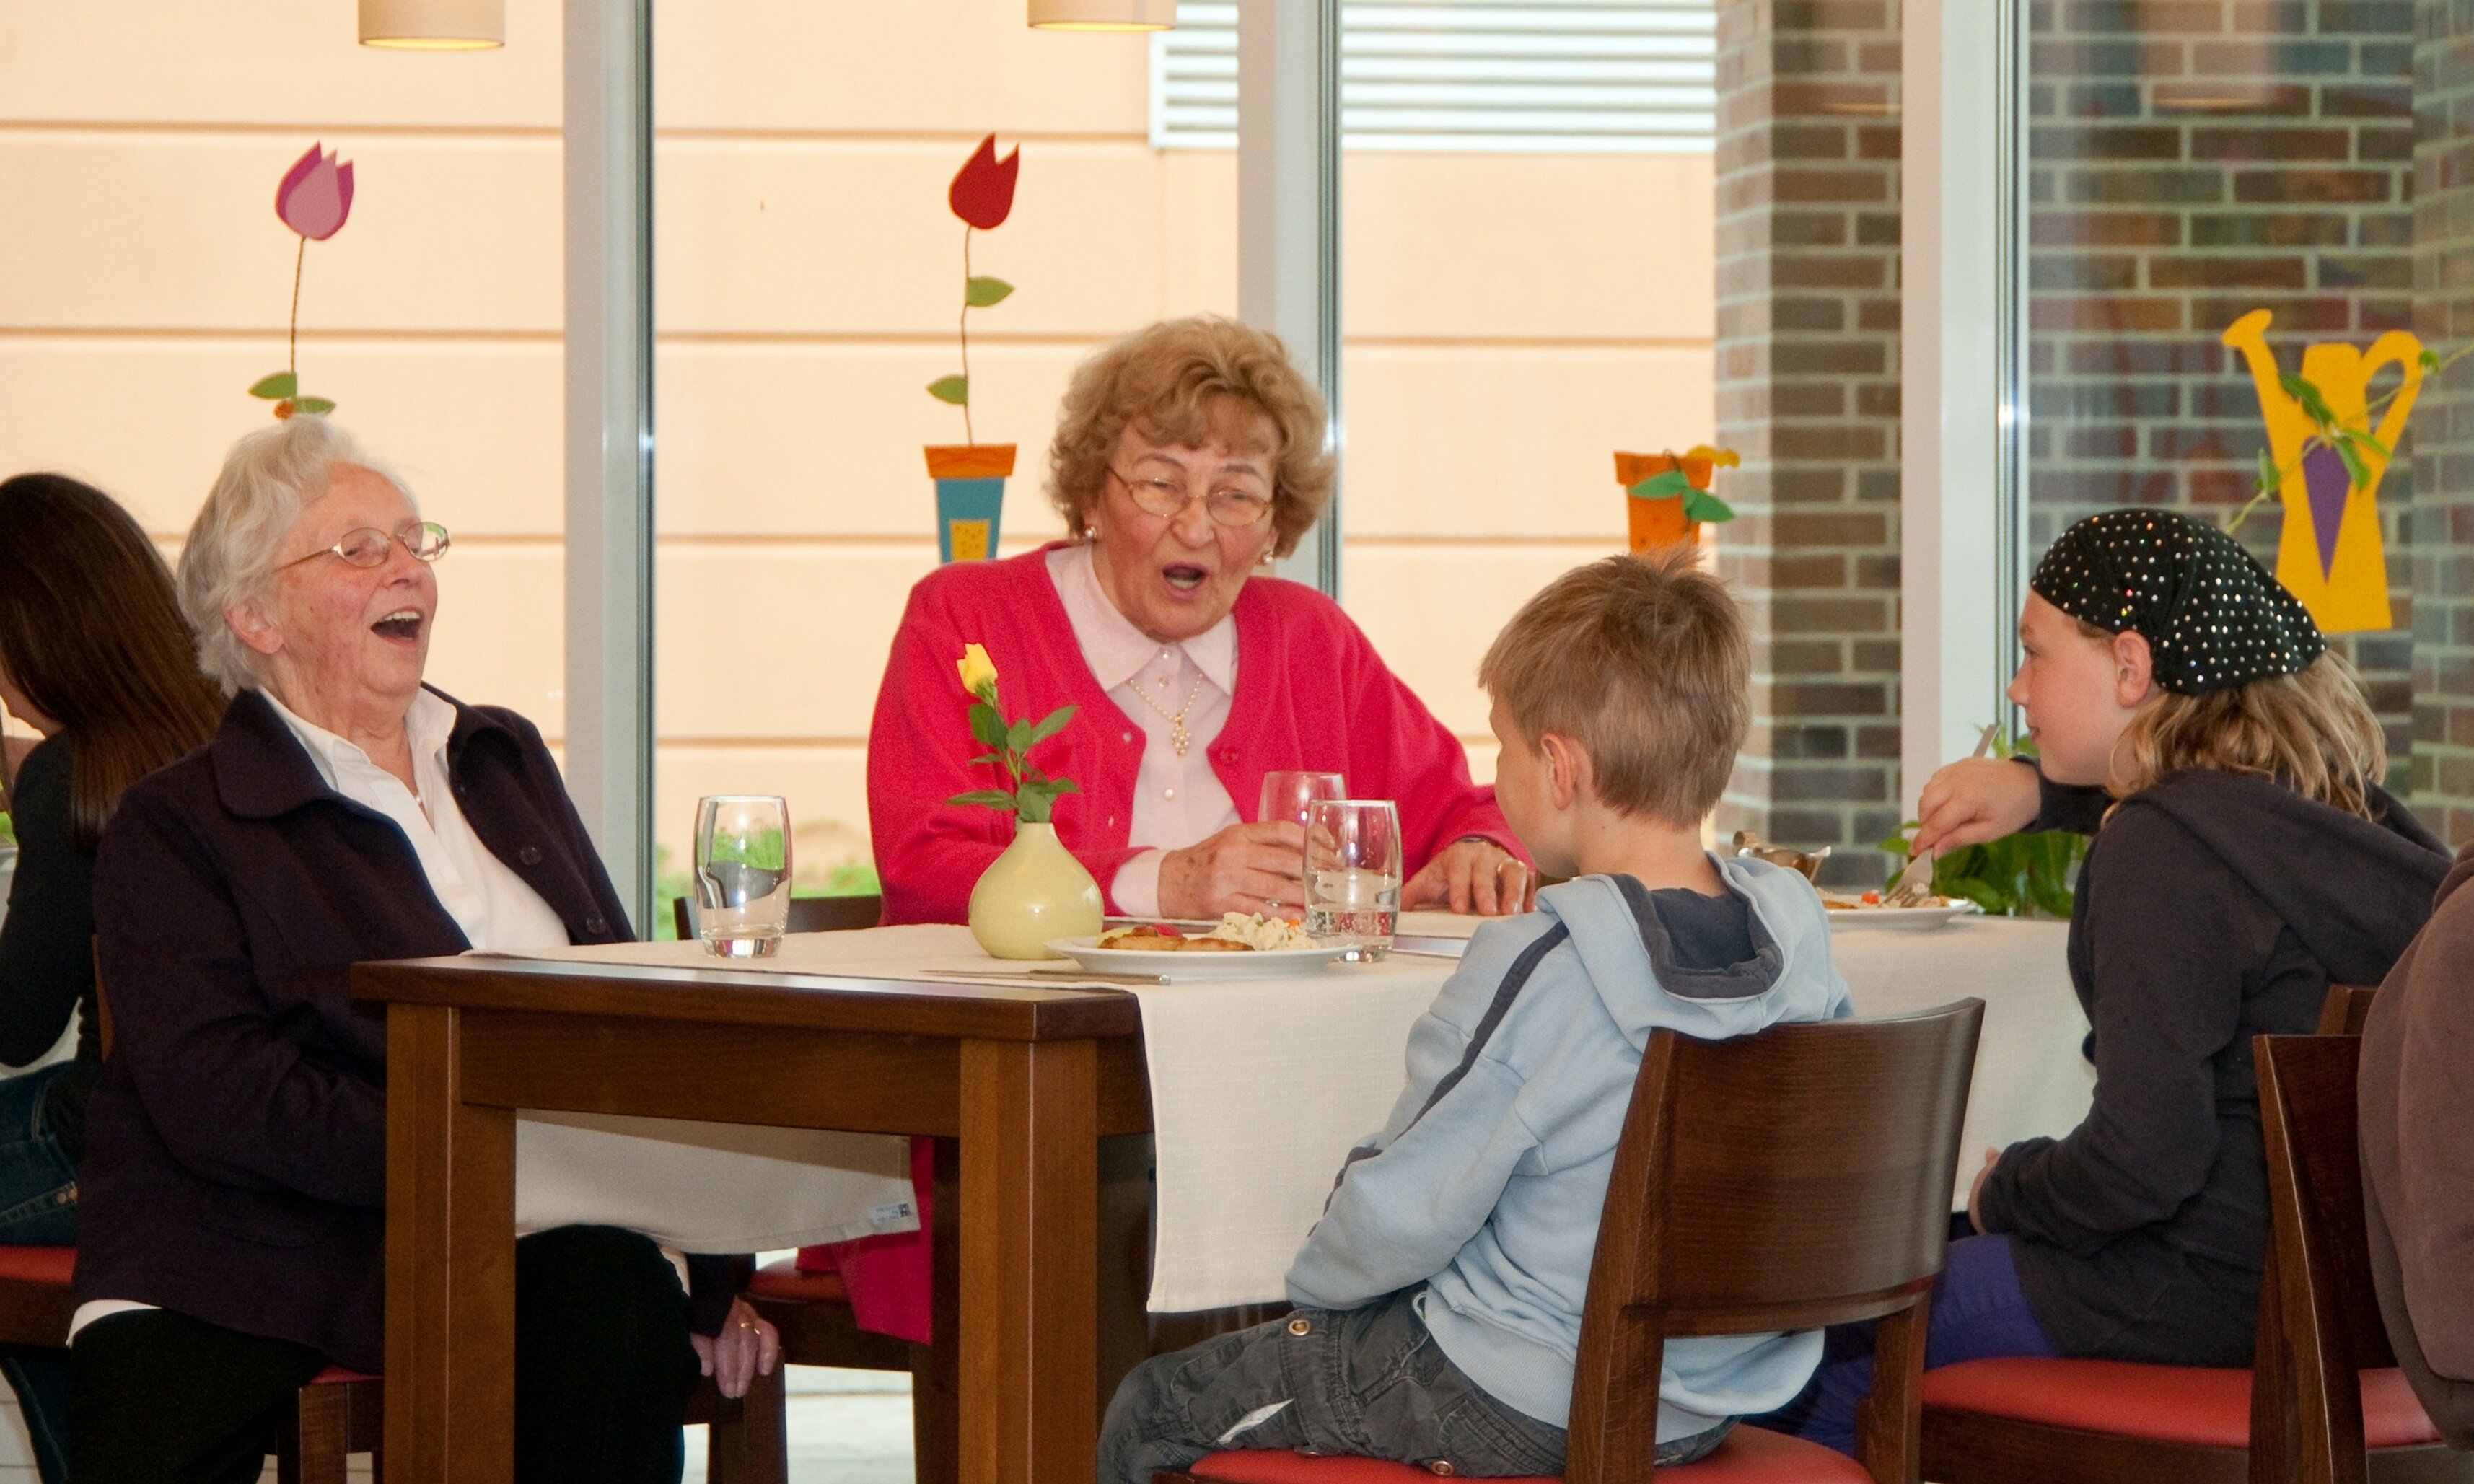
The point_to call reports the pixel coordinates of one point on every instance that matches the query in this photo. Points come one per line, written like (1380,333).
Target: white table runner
(1260,1087)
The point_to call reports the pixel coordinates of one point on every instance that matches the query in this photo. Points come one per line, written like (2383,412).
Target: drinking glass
(1353,875)
(1289,796)
(742,874)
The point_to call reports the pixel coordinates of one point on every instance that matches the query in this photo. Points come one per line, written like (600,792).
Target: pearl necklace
(1179,737)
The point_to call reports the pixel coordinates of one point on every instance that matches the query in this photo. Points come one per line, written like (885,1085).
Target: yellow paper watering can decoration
(2329,554)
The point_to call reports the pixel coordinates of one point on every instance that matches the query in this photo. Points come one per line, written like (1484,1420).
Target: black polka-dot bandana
(2212,615)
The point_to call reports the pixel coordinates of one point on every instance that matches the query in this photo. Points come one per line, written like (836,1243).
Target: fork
(1915,883)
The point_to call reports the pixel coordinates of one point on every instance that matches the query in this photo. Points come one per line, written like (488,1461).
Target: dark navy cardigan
(236,1165)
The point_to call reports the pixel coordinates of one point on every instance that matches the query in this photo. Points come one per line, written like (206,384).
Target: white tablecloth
(1260,1087)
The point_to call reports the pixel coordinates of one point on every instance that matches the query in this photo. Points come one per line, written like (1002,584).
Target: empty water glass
(742,874)
(1353,875)
(1289,796)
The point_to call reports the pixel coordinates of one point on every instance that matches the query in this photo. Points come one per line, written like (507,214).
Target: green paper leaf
(984,799)
(1051,724)
(1665,486)
(953,389)
(312,404)
(2356,469)
(2429,361)
(980,293)
(2269,479)
(2365,441)
(1702,505)
(277,387)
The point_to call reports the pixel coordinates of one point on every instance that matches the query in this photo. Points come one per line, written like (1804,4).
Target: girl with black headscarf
(2188,715)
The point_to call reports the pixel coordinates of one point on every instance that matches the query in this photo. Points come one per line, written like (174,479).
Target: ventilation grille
(1521,76)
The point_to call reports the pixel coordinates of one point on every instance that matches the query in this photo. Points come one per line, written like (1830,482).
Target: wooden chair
(1785,1180)
(2323,1401)
(2345,1008)
(808,913)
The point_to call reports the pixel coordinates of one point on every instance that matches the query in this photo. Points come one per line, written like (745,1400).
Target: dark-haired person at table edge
(94,656)
(231,1245)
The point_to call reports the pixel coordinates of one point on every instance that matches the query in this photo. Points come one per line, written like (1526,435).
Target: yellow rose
(978,672)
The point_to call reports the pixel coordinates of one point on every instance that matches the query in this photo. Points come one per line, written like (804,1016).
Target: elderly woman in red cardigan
(1187,455)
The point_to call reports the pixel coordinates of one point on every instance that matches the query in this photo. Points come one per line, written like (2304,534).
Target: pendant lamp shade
(1104,14)
(434,25)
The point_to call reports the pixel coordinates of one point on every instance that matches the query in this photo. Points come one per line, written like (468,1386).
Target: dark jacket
(2211,908)
(2417,1131)
(236,1165)
(47,943)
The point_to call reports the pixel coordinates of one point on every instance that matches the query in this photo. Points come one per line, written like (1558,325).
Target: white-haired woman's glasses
(366,546)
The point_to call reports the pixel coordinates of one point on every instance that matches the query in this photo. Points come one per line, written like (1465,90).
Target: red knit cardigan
(1311,694)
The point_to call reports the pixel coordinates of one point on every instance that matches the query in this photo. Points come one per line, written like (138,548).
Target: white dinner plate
(1256,963)
(1898,919)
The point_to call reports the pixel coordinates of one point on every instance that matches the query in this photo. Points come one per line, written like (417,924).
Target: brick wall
(2440,558)
(1807,383)
(2191,160)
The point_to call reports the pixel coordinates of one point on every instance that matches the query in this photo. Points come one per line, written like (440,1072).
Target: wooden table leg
(450,1270)
(1029,1198)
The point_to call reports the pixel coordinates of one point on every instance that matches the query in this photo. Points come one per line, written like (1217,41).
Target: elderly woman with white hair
(230,1243)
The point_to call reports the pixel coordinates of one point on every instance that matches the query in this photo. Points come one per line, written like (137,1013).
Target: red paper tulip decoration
(982,195)
(314,199)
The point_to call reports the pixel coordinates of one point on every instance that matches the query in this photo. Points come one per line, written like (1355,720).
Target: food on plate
(1871,901)
(1160,937)
(1236,933)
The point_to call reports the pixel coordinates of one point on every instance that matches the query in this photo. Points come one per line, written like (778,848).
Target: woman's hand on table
(1244,868)
(747,1346)
(1974,800)
(1472,876)
(1975,1191)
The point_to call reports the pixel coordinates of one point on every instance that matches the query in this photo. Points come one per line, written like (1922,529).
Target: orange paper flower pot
(1657,525)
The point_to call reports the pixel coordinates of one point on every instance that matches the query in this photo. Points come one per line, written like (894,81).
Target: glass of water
(1290,796)
(1353,874)
(742,874)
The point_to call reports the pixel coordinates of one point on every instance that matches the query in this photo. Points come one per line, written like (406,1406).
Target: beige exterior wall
(1513,319)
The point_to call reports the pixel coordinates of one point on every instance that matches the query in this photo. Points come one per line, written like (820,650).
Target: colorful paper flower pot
(970,497)
(1658,524)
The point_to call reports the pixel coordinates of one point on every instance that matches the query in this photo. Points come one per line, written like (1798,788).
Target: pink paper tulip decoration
(314,199)
(316,195)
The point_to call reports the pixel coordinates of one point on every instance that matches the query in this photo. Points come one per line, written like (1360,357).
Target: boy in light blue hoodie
(1439,1299)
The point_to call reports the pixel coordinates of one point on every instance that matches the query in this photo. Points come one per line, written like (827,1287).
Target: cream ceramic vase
(1033,892)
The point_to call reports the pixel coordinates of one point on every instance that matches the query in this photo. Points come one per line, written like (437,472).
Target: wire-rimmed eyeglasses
(366,546)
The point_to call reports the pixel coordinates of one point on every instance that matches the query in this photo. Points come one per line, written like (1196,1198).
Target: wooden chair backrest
(2327,1314)
(1790,1179)
(808,913)
(2345,1008)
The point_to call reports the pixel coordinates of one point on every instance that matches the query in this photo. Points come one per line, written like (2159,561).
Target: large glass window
(148,280)
(809,275)
(2220,193)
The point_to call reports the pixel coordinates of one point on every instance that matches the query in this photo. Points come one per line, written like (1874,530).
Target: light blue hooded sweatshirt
(1487,1182)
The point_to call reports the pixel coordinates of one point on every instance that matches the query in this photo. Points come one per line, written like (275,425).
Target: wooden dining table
(1024,1081)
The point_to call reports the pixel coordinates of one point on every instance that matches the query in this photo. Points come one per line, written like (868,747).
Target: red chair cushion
(336,1376)
(782,1279)
(1750,1456)
(53,1265)
(2189,1404)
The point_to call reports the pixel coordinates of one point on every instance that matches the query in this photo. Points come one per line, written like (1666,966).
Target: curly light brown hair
(1178,382)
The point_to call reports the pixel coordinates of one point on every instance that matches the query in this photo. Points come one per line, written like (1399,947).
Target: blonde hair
(2311,731)
(1177,382)
(268,479)
(1644,661)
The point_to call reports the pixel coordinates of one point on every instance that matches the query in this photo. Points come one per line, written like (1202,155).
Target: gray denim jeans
(1363,1383)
